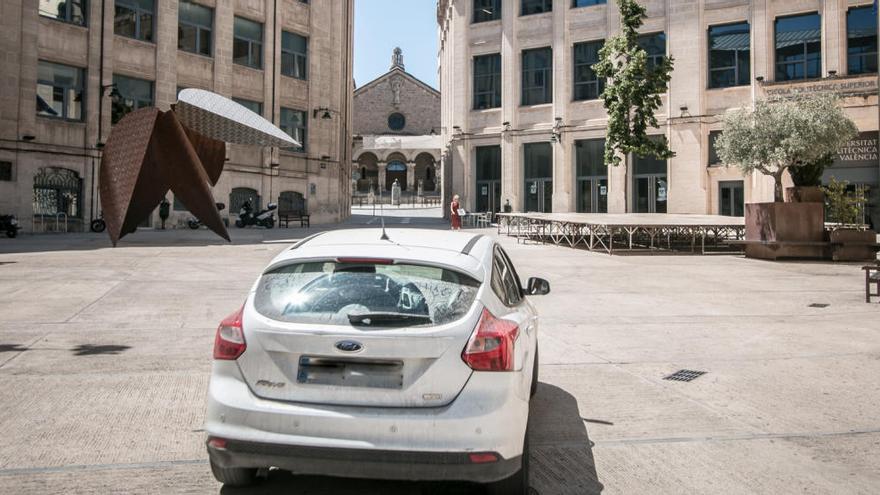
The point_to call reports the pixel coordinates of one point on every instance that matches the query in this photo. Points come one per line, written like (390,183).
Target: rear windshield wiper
(388,319)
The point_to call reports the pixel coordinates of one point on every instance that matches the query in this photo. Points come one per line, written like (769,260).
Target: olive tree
(632,94)
(784,134)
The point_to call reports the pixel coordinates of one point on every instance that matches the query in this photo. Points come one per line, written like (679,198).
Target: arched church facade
(396,134)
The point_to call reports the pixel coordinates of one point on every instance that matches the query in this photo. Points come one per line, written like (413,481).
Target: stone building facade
(73,68)
(396,133)
(522,122)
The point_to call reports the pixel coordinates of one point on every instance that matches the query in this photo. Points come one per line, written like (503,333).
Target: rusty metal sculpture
(150,152)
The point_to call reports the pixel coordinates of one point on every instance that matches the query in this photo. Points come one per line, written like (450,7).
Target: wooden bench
(285,219)
(872,276)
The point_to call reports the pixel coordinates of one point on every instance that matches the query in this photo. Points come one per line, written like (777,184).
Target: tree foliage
(632,94)
(784,134)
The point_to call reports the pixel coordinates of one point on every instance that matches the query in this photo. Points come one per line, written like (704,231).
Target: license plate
(350,372)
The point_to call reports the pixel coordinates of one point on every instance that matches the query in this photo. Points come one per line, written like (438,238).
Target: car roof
(461,251)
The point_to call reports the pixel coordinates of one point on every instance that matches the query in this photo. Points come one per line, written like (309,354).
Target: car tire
(234,476)
(534,389)
(239,223)
(518,484)
(12,233)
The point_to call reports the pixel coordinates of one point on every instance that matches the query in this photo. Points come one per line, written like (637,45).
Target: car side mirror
(538,287)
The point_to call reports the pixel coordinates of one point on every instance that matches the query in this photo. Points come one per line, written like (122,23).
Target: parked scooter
(265,218)
(9,224)
(98,225)
(194,223)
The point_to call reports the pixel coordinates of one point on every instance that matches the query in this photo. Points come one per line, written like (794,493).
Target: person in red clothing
(455,218)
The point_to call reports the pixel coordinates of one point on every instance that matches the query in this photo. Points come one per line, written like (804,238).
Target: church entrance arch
(395,169)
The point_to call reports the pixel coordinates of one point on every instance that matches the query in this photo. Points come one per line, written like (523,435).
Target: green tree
(784,134)
(632,94)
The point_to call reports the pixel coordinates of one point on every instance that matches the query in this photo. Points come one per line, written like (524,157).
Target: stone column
(381,185)
(411,177)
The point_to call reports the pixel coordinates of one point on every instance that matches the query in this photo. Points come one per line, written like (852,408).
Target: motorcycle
(265,218)
(194,223)
(10,224)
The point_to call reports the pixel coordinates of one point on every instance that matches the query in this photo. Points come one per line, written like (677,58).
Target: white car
(409,356)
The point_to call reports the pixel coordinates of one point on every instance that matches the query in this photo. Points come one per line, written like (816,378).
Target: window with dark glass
(798,47)
(592,176)
(714,160)
(487,81)
(396,121)
(528,7)
(537,76)
(729,55)
(655,45)
(194,26)
(60,91)
(294,55)
(5,171)
(587,3)
(861,40)
(132,94)
(294,123)
(247,43)
(253,106)
(134,19)
(487,10)
(538,175)
(587,85)
(72,11)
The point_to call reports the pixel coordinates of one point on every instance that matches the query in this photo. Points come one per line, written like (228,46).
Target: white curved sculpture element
(220,118)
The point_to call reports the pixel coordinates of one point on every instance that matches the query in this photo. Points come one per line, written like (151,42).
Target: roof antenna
(384,236)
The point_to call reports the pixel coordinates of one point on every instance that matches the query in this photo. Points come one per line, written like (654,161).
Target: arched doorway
(395,169)
(426,172)
(58,193)
(367,173)
(239,195)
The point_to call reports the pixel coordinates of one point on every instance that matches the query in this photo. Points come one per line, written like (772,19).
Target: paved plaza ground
(105,356)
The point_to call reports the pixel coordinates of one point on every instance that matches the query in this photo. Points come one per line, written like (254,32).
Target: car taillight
(229,343)
(490,347)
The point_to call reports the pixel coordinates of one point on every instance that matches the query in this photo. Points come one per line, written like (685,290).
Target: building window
(729,55)
(134,19)
(587,85)
(528,7)
(72,11)
(714,160)
(293,122)
(731,198)
(488,172)
(587,3)
(592,176)
(60,91)
(538,175)
(861,40)
(537,76)
(798,47)
(247,43)
(487,10)
(396,121)
(57,190)
(487,81)
(5,171)
(133,94)
(655,45)
(238,196)
(253,106)
(194,26)
(294,55)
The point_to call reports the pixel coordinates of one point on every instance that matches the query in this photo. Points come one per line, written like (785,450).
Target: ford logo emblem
(349,346)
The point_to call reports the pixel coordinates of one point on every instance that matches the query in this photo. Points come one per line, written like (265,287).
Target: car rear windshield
(332,292)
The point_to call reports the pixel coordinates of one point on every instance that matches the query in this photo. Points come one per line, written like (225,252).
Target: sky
(381,25)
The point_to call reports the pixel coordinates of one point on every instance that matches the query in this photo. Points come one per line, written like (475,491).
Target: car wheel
(234,476)
(518,484)
(534,389)
(11,233)
(239,223)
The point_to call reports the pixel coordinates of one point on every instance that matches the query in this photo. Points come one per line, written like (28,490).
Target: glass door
(651,193)
(489,196)
(539,195)
(731,196)
(592,195)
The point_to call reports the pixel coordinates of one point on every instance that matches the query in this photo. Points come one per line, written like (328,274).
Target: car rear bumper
(433,443)
(362,463)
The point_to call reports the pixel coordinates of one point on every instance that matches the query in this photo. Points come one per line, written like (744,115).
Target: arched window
(57,190)
(239,195)
(396,121)
(291,202)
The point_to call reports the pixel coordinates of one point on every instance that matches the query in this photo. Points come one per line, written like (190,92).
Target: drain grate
(819,305)
(684,375)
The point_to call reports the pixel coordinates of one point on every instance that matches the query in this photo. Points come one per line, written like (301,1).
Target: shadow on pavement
(561,461)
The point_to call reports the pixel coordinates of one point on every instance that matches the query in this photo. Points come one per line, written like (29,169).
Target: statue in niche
(396,84)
